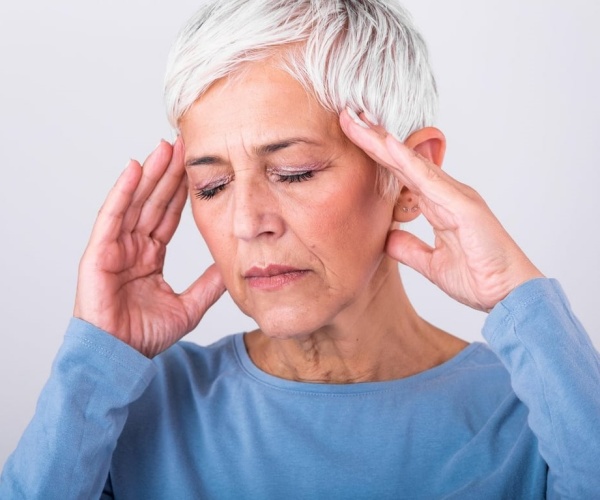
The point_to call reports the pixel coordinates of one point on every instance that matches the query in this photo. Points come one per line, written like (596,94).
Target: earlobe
(407,206)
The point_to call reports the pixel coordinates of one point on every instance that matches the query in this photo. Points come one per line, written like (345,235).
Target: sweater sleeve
(66,450)
(555,371)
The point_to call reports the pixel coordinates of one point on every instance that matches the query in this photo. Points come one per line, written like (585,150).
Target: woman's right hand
(120,287)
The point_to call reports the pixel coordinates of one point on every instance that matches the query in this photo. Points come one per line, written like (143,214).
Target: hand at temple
(120,287)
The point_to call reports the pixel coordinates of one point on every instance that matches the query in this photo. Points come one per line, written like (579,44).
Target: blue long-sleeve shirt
(519,420)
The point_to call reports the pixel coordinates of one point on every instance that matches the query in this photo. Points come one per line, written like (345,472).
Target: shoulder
(475,377)
(186,371)
(189,360)
(477,362)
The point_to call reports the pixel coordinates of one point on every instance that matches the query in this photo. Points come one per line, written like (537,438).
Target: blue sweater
(518,420)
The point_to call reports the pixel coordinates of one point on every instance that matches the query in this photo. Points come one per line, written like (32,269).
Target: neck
(381,339)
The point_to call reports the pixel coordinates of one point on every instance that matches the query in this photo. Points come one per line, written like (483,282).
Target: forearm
(65,451)
(555,371)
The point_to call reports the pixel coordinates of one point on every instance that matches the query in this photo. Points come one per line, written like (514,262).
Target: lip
(273,277)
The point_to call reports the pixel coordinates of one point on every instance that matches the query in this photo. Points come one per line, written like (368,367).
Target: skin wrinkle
(334,225)
(317,371)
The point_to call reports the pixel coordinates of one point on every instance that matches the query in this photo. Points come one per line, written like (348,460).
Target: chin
(292,313)
(289,323)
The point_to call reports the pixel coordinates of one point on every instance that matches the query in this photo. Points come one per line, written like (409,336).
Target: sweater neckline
(253,371)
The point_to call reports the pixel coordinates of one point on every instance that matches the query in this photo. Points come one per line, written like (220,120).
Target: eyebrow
(262,150)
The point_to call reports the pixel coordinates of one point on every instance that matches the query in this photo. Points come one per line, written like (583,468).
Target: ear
(430,143)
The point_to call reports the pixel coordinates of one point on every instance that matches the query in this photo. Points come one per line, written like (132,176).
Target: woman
(305,139)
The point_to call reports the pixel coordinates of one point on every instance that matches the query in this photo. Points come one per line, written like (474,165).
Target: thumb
(409,250)
(203,293)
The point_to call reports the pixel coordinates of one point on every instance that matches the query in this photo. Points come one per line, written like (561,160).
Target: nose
(256,209)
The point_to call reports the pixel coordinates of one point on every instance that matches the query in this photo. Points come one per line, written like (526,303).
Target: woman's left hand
(474,259)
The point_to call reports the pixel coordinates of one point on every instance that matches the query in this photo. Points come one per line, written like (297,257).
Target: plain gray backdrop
(81,92)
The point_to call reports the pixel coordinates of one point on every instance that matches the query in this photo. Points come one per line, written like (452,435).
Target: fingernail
(395,136)
(371,118)
(178,143)
(356,119)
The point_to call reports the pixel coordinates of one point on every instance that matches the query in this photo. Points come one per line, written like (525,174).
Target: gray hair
(362,54)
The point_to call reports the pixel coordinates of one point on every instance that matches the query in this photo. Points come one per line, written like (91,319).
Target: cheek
(212,230)
(345,224)
(355,203)
(201,220)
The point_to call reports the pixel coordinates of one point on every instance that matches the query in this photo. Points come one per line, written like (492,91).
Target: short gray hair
(362,54)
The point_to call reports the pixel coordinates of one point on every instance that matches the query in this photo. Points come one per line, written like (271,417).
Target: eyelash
(299,177)
(208,193)
(211,192)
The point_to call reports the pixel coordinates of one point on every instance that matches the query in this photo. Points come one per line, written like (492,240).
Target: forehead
(263,104)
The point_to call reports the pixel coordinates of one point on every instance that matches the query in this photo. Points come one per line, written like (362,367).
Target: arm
(555,371)
(553,366)
(65,451)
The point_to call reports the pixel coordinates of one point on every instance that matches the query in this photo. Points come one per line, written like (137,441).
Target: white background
(81,92)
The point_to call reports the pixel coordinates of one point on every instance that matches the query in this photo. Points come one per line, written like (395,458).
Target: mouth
(273,277)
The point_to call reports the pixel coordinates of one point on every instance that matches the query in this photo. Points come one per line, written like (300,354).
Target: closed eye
(208,193)
(211,190)
(299,177)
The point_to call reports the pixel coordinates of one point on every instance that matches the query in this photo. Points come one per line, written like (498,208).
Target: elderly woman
(305,139)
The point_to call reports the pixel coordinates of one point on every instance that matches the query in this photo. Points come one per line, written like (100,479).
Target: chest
(248,443)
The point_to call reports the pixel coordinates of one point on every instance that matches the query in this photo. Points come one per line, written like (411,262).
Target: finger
(417,173)
(422,175)
(372,140)
(203,293)
(409,250)
(375,144)
(369,140)
(152,171)
(109,222)
(154,207)
(172,215)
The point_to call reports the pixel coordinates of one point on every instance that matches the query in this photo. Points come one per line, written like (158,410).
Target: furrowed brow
(268,149)
(262,150)
(204,160)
